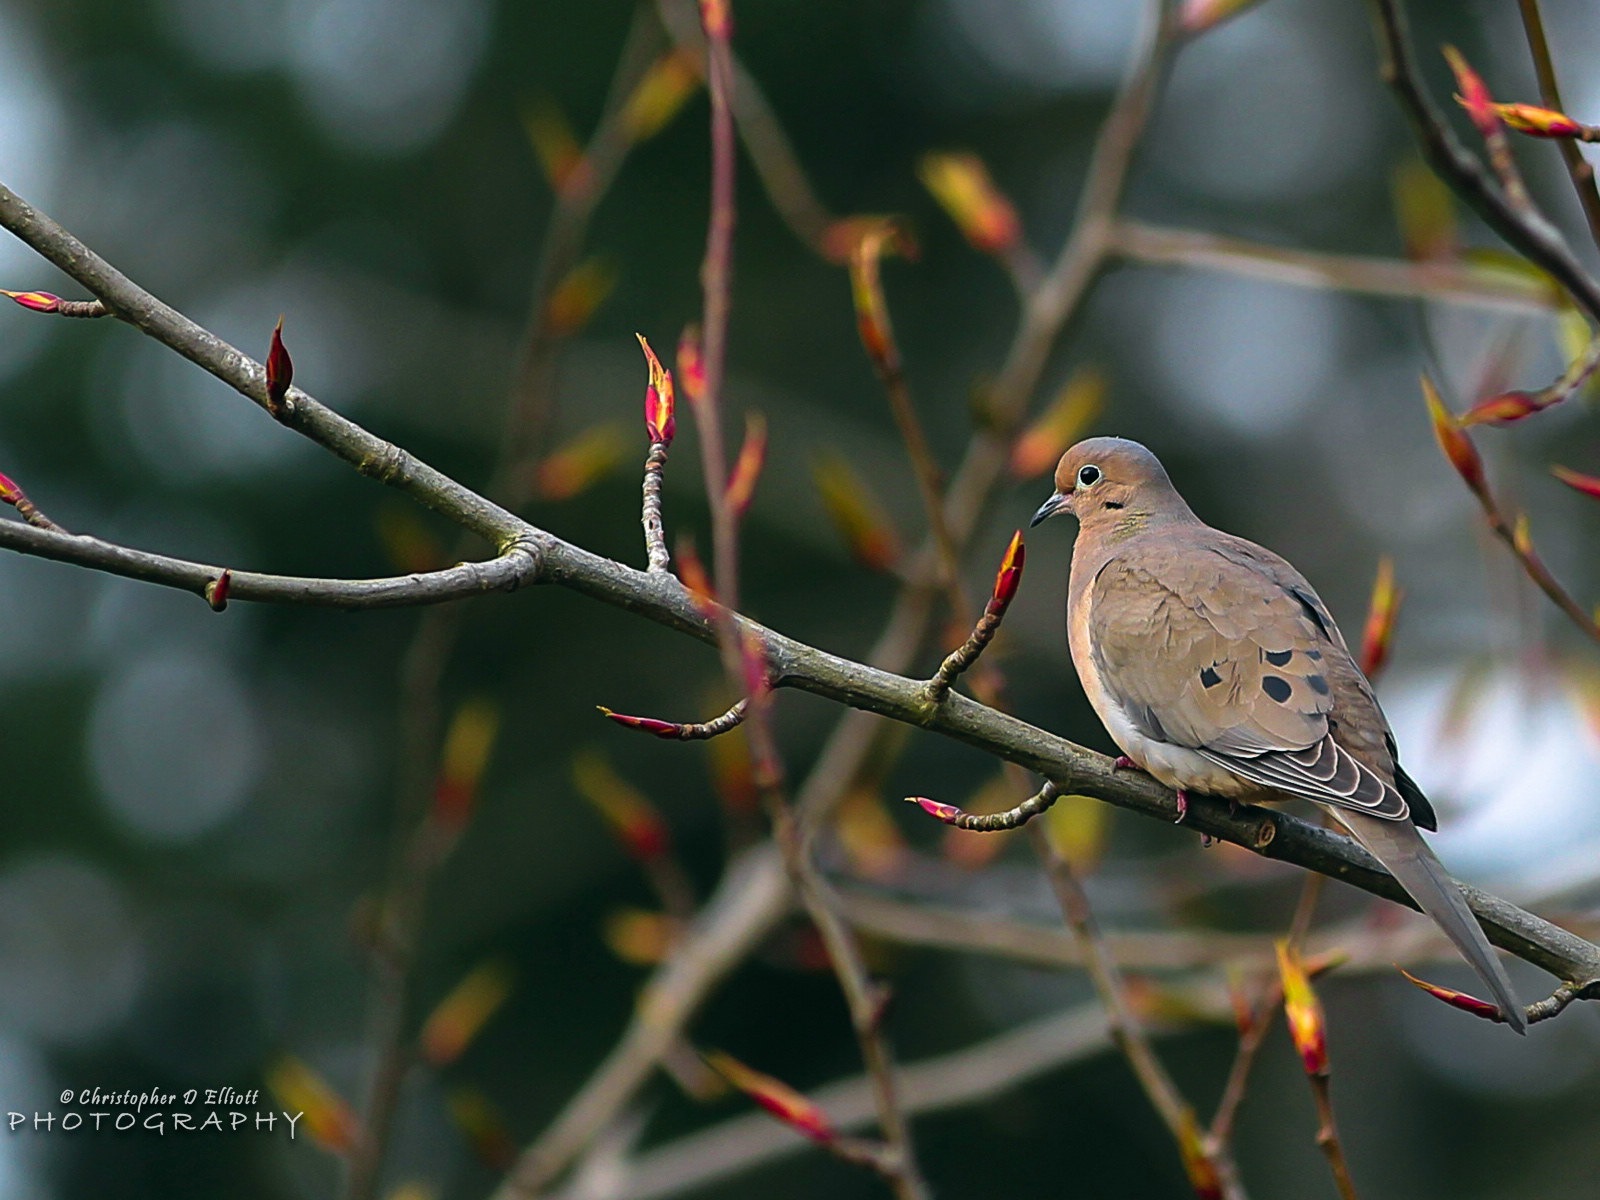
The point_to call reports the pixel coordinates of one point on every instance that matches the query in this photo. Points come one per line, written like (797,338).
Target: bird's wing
(1216,645)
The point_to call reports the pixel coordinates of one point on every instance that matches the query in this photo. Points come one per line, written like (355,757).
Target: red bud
(1474,95)
(747,467)
(216,592)
(948,813)
(44,302)
(1009,577)
(660,421)
(1502,409)
(1457,446)
(280,371)
(1455,999)
(1589,485)
(662,729)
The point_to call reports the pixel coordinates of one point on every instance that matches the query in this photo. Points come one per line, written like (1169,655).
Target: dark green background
(134,961)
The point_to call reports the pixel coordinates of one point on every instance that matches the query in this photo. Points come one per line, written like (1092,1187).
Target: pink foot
(1123,763)
(1183,806)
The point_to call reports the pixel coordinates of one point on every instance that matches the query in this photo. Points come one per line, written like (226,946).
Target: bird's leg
(1183,806)
(1123,763)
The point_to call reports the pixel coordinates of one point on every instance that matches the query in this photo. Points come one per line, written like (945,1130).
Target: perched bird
(1216,668)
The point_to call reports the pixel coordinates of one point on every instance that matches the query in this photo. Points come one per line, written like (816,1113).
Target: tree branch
(1448,282)
(518,565)
(1526,231)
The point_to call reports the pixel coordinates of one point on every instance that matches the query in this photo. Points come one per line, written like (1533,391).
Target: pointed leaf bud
(1522,538)
(633,819)
(1589,485)
(45,302)
(10,493)
(579,296)
(280,371)
(462,1014)
(1457,446)
(1426,211)
(747,467)
(963,188)
(1542,122)
(556,147)
(948,813)
(660,95)
(1041,444)
(866,291)
(1455,999)
(216,592)
(716,19)
(1474,94)
(777,1097)
(692,573)
(580,463)
(1009,577)
(1503,409)
(1197,1162)
(1382,612)
(660,420)
(641,938)
(468,743)
(476,1116)
(662,729)
(330,1122)
(856,513)
(691,364)
(1303,1012)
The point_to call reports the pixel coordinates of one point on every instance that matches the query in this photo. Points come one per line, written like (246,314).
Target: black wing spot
(1209,678)
(1277,687)
(1314,655)
(1278,658)
(1311,611)
(1319,685)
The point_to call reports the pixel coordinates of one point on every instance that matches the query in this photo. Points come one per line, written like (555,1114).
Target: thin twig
(866,1002)
(964,1077)
(883,351)
(1328,1139)
(1442,280)
(1578,168)
(518,566)
(782,177)
(532,399)
(1526,231)
(1127,1031)
(655,536)
(1263,1014)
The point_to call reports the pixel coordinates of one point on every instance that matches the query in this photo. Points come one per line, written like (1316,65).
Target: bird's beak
(1048,509)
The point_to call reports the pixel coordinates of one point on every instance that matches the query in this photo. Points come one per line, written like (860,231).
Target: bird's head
(1112,479)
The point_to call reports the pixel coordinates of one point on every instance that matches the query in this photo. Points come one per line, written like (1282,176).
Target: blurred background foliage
(199,808)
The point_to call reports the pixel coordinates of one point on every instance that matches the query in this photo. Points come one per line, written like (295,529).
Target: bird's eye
(1088,476)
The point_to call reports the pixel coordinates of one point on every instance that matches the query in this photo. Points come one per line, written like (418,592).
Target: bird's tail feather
(1400,848)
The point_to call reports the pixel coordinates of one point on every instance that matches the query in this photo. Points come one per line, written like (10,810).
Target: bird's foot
(1183,806)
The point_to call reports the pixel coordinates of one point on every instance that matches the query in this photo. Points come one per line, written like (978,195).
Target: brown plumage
(1216,667)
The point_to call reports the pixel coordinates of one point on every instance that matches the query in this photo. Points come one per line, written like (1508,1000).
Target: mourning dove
(1216,668)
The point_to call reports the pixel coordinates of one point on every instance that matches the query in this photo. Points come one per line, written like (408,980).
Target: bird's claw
(1123,763)
(1183,806)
